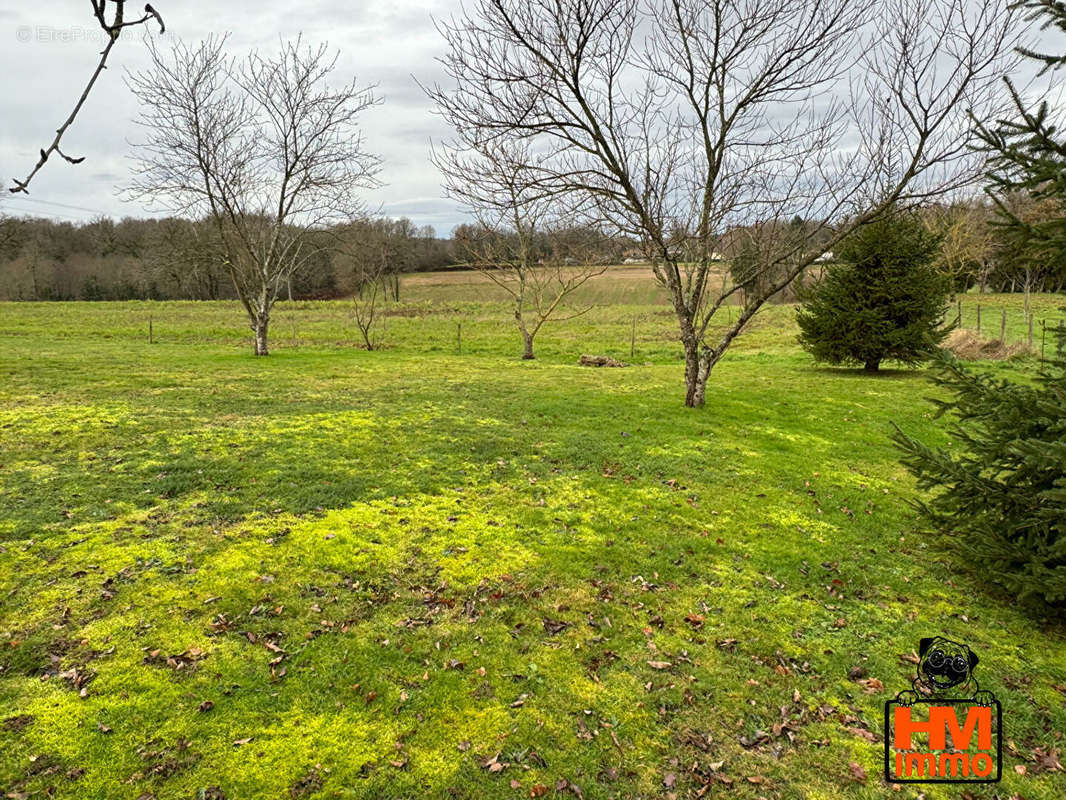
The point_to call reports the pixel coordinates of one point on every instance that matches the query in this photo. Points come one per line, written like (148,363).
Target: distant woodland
(172,258)
(169,259)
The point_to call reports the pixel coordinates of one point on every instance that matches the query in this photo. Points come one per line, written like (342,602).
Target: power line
(24,199)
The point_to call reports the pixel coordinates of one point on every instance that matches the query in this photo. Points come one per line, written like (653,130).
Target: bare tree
(1032,264)
(367,302)
(676,121)
(369,257)
(965,240)
(521,241)
(263,147)
(9,235)
(188,256)
(365,256)
(113,29)
(393,243)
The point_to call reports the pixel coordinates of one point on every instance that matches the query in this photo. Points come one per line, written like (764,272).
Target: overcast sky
(48,49)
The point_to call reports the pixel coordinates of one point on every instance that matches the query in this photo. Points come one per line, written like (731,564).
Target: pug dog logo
(925,741)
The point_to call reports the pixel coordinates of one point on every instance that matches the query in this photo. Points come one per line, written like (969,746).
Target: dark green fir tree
(999,492)
(1027,154)
(884,301)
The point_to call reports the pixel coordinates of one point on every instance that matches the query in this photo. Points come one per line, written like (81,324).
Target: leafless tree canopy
(113,29)
(525,241)
(370,255)
(8,233)
(264,147)
(678,121)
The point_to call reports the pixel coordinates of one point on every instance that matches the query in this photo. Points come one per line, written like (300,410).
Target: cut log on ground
(600,361)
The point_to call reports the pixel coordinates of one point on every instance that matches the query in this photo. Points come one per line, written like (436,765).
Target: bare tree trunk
(694,391)
(366,338)
(528,339)
(260,328)
(703,372)
(872,365)
(33,276)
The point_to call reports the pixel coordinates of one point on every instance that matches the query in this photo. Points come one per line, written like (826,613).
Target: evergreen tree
(1028,155)
(1000,490)
(884,301)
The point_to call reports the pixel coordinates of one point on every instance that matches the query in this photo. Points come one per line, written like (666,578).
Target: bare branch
(113,29)
(688,124)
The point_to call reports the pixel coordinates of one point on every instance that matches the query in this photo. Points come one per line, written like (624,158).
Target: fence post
(1003,327)
(958,315)
(150,337)
(978,317)
(1043,335)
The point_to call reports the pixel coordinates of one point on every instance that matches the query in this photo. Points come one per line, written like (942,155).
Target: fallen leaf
(1047,760)
(872,686)
(863,733)
(554,626)
(858,774)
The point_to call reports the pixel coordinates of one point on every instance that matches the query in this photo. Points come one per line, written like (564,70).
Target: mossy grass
(412,573)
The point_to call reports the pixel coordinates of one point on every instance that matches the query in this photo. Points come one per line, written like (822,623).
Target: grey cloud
(380,42)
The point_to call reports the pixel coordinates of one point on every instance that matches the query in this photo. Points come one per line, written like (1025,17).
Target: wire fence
(1040,334)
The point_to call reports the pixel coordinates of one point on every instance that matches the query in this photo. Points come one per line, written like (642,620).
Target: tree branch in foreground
(113,29)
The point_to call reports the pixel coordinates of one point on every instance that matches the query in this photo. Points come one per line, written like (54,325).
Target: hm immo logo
(945,728)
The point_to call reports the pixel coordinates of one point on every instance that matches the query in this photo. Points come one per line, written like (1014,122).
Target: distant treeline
(171,259)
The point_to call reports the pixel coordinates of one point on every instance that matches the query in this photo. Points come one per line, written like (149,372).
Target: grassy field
(415,573)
